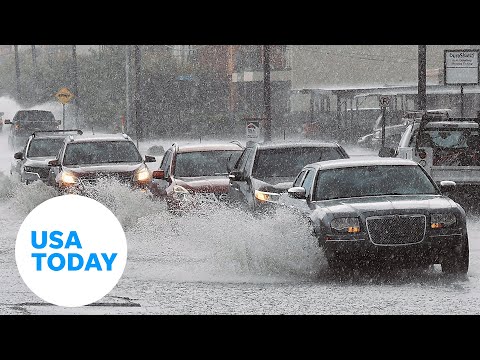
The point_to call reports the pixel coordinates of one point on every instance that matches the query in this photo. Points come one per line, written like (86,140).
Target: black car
(389,209)
(83,160)
(25,122)
(266,169)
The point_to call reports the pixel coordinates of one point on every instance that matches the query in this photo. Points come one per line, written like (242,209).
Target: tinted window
(101,152)
(44,147)
(203,163)
(371,181)
(288,162)
(22,116)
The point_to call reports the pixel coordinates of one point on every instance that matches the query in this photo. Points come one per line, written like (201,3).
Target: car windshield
(448,138)
(101,152)
(372,181)
(288,162)
(33,116)
(44,147)
(204,163)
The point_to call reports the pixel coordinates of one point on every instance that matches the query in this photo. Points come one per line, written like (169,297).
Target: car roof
(452,123)
(208,147)
(99,138)
(294,144)
(364,161)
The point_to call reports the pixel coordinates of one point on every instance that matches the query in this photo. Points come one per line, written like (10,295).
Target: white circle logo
(71,250)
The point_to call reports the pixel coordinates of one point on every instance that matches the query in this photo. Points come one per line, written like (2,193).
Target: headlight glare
(346,225)
(439,221)
(68,178)
(264,196)
(142,175)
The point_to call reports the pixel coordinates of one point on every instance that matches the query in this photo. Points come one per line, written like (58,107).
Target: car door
(306,180)
(238,188)
(161,185)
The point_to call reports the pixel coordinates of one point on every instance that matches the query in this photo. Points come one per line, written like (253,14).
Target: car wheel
(458,261)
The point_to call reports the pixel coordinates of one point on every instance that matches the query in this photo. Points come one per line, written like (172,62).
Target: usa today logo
(71,250)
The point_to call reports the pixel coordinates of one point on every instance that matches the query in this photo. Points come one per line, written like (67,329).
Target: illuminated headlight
(68,178)
(142,175)
(266,196)
(28,169)
(346,225)
(439,221)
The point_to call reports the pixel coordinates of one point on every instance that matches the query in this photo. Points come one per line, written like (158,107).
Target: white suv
(448,148)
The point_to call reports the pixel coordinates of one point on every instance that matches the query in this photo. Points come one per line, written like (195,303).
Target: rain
(220,259)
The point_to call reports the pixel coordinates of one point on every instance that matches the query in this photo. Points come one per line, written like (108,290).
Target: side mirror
(447,185)
(236,176)
(7,122)
(18,155)
(159,174)
(54,162)
(149,158)
(297,192)
(387,152)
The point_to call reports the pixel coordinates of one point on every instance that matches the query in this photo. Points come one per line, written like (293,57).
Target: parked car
(31,163)
(25,122)
(388,209)
(194,173)
(265,170)
(83,160)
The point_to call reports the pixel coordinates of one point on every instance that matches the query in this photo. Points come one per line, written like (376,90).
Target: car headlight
(68,178)
(439,221)
(346,225)
(142,175)
(264,196)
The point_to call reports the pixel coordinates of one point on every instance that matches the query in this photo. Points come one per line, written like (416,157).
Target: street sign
(253,129)
(64,95)
(461,67)
(384,101)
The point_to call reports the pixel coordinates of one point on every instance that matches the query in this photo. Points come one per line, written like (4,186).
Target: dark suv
(82,160)
(265,170)
(25,122)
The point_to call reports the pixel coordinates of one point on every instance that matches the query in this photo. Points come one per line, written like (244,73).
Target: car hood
(215,184)
(388,204)
(39,161)
(273,184)
(104,168)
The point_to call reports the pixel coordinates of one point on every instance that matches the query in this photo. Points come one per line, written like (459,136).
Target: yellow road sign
(64,95)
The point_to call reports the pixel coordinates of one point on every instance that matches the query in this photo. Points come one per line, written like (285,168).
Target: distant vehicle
(448,149)
(394,128)
(387,210)
(25,122)
(83,160)
(194,173)
(31,163)
(265,170)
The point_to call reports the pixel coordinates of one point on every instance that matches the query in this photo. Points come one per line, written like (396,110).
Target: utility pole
(75,83)
(127,88)
(17,71)
(267,93)
(35,76)
(422,77)
(137,59)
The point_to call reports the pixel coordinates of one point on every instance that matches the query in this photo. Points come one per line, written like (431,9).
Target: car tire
(458,261)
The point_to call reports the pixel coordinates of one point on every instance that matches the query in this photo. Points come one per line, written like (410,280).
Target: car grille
(396,229)
(42,172)
(126,178)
